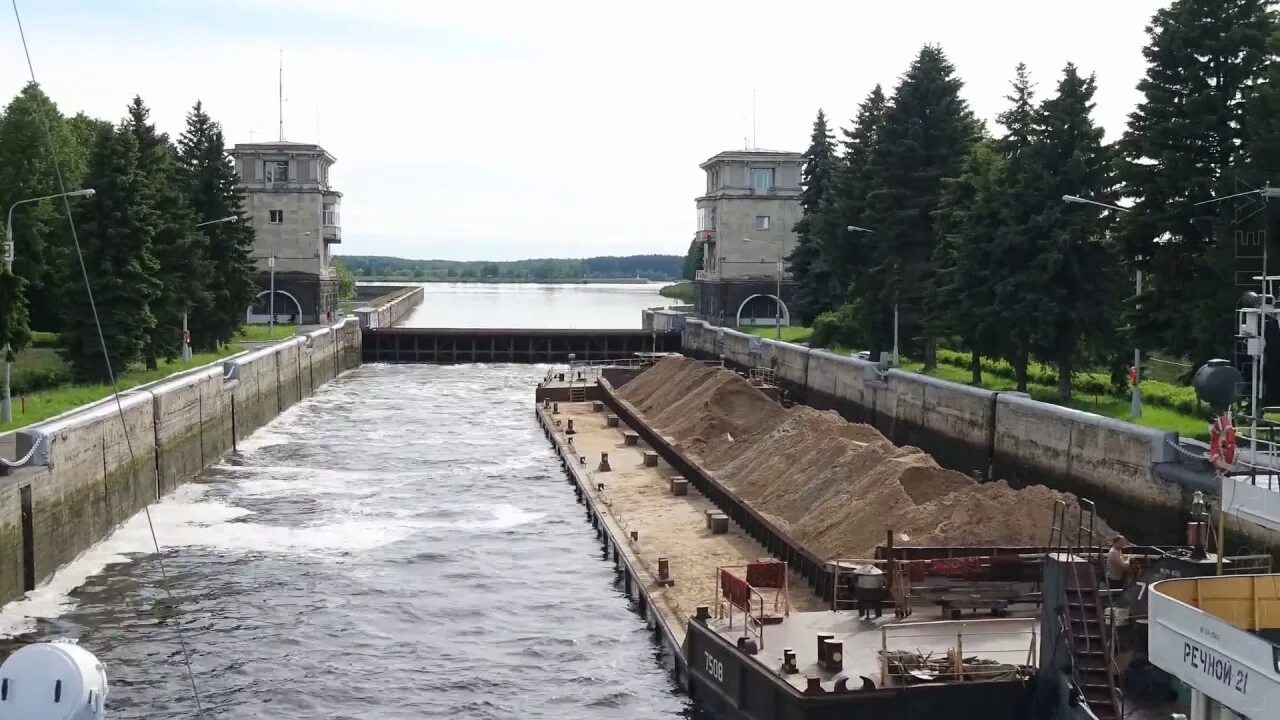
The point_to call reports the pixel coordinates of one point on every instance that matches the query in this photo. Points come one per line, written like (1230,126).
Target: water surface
(401,545)
(528,305)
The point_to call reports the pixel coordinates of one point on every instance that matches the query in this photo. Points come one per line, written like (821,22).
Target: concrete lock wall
(348,339)
(88,473)
(254,396)
(288,384)
(323,357)
(392,311)
(1000,434)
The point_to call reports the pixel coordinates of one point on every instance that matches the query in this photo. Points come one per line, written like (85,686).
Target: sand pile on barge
(834,486)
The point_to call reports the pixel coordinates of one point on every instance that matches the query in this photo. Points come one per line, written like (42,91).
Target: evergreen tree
(41,230)
(846,251)
(215,193)
(927,131)
(177,245)
(815,287)
(692,260)
(115,228)
(962,296)
(1184,143)
(1017,295)
(1075,264)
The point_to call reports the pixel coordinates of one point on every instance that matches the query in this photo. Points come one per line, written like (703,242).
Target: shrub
(32,379)
(837,328)
(1178,398)
(42,339)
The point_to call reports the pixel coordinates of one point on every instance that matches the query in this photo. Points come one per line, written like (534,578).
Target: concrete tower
(295,214)
(750,194)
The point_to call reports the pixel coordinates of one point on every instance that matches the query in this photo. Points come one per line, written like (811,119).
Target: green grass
(42,404)
(259,333)
(1106,405)
(794,334)
(682,291)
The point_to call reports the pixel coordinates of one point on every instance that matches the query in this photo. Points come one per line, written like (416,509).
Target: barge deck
(636,500)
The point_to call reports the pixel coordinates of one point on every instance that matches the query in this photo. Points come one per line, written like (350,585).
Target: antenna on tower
(755,128)
(281,95)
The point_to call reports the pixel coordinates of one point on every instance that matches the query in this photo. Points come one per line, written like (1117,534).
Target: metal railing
(752,613)
(781,597)
(897,582)
(914,652)
(1085,537)
(757,375)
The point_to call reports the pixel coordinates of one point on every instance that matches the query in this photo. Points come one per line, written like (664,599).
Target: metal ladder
(1082,615)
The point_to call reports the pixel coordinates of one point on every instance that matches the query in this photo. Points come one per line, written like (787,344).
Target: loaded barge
(759,627)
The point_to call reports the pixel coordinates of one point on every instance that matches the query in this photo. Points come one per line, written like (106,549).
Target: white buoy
(52,681)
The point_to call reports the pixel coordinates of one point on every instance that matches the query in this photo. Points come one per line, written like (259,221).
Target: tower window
(276,217)
(276,171)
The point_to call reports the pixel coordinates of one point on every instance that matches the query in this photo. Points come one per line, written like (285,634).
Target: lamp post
(6,410)
(186,336)
(1135,403)
(855,228)
(777,296)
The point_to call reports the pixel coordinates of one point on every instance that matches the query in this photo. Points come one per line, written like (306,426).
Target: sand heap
(833,485)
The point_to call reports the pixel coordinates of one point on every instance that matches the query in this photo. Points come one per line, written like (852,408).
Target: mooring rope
(115,390)
(40,440)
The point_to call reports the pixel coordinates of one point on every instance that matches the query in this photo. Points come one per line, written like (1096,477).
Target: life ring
(1222,443)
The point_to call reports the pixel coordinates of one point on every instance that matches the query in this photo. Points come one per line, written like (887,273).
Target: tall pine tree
(215,193)
(847,251)
(115,227)
(1018,294)
(815,288)
(1183,146)
(177,245)
(1075,264)
(927,132)
(962,294)
(41,233)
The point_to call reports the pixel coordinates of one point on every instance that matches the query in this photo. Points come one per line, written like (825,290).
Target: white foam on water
(188,518)
(501,517)
(52,599)
(263,438)
(281,480)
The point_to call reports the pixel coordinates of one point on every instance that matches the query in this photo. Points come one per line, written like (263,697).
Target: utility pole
(6,408)
(1135,404)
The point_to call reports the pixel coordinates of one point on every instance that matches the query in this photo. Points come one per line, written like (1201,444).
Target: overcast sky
(504,130)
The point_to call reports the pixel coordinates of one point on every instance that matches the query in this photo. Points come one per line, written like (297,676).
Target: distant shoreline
(511,281)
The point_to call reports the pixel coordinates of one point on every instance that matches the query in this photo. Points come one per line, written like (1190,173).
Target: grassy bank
(60,394)
(1096,401)
(682,291)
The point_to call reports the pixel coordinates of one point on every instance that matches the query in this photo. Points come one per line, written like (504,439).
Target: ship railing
(935,651)
(758,375)
(1247,565)
(897,583)
(750,614)
(780,604)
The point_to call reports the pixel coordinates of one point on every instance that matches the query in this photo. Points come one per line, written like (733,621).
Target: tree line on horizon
(143,256)
(646,267)
(963,227)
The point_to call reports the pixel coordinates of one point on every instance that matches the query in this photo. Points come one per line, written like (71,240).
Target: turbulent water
(401,545)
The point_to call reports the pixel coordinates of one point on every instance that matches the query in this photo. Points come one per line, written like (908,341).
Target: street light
(186,336)
(1135,403)
(6,413)
(855,228)
(777,311)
